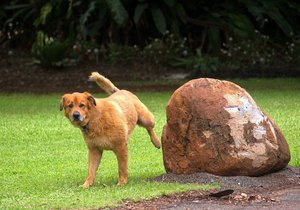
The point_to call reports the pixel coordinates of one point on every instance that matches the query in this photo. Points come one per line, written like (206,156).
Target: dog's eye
(70,106)
(81,105)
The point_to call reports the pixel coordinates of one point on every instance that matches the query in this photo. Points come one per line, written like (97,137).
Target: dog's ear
(62,102)
(90,98)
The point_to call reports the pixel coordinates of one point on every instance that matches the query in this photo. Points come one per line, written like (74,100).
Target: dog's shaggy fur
(107,123)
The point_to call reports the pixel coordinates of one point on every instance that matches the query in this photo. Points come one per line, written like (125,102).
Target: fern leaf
(139,10)
(159,20)
(120,14)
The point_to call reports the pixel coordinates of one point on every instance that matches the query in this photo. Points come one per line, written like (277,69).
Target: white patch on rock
(243,109)
(201,145)
(258,132)
(207,134)
(272,128)
(258,149)
(259,161)
(256,153)
(259,155)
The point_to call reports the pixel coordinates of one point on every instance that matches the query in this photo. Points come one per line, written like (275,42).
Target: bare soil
(19,74)
(280,190)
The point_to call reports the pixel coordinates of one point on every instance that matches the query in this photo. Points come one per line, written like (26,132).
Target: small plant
(117,54)
(292,52)
(200,64)
(50,52)
(161,51)
(156,52)
(87,51)
(259,56)
(256,52)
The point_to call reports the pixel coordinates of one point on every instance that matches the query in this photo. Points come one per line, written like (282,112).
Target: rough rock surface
(215,126)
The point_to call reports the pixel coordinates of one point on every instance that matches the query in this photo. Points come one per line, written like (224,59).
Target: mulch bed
(272,191)
(19,74)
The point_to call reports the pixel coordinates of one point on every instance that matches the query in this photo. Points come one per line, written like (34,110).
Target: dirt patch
(273,191)
(287,176)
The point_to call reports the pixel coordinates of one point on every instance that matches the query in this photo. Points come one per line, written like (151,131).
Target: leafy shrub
(122,22)
(198,64)
(246,53)
(49,51)
(161,51)
(122,54)
(292,52)
(156,52)
(259,52)
(84,51)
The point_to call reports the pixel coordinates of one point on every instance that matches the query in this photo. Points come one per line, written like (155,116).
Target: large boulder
(215,126)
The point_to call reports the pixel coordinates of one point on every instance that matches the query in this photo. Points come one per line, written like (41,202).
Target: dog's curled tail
(103,82)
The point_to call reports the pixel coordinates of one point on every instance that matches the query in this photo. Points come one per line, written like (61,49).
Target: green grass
(43,159)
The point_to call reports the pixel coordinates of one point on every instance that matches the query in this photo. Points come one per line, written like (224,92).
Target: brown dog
(107,123)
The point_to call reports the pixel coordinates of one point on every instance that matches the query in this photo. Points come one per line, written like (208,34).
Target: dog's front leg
(122,157)
(94,161)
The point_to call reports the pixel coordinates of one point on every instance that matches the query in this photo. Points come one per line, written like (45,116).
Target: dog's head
(77,107)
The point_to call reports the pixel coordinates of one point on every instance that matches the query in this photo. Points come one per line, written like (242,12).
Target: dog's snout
(76,116)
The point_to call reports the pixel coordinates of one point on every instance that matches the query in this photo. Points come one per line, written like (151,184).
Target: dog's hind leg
(146,120)
(153,137)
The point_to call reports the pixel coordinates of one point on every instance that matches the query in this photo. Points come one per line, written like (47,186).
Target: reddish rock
(216,127)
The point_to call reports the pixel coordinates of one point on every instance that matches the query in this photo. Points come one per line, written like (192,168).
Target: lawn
(43,159)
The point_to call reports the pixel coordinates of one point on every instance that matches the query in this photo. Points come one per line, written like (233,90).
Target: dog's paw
(122,182)
(86,185)
(156,144)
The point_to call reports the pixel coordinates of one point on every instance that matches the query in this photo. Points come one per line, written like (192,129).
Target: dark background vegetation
(221,38)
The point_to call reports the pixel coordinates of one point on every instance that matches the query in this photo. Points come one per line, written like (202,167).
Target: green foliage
(199,64)
(241,19)
(260,56)
(249,53)
(84,19)
(160,14)
(45,11)
(51,52)
(161,51)
(118,11)
(159,20)
(156,52)
(273,11)
(140,8)
(117,54)
(127,23)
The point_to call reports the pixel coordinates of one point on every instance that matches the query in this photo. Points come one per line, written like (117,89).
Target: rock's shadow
(289,176)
